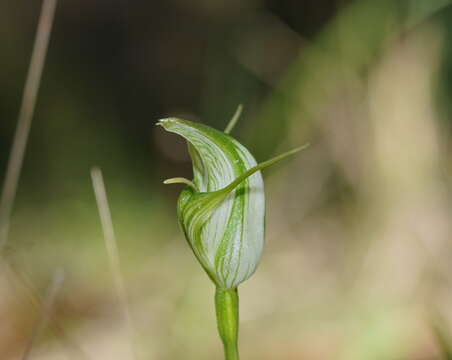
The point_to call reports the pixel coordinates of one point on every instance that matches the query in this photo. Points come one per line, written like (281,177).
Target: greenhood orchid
(222,213)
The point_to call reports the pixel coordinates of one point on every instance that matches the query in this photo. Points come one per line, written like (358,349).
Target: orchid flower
(222,213)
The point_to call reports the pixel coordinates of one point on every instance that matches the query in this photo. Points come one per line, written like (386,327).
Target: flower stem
(227,308)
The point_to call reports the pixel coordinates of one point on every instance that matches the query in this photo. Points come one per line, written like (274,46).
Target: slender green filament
(261,166)
(227,309)
(234,119)
(181,180)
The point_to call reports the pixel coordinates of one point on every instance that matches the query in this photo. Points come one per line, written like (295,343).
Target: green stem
(227,308)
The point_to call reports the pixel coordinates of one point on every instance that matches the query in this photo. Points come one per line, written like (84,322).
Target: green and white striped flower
(222,211)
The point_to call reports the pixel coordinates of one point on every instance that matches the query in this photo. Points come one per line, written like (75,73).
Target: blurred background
(357,260)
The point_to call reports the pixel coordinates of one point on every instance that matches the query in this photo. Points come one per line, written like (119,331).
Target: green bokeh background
(357,260)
